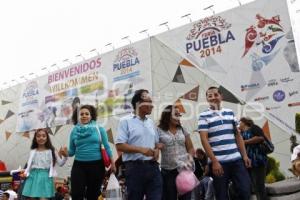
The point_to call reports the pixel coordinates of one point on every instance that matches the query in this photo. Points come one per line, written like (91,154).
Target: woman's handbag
(267,146)
(105,157)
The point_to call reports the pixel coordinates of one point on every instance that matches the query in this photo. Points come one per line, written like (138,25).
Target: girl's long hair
(165,118)
(48,143)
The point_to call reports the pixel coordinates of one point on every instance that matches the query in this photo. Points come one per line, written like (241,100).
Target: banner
(106,82)
(250,50)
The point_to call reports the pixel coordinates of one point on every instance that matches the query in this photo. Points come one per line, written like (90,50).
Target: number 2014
(210,51)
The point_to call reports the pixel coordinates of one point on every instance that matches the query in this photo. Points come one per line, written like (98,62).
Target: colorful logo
(279,95)
(124,62)
(31,90)
(208,35)
(265,35)
(30,94)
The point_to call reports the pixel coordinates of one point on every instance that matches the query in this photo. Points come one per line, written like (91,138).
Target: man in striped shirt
(225,148)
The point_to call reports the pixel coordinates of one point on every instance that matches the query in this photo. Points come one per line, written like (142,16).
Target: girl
(88,168)
(205,188)
(176,144)
(40,167)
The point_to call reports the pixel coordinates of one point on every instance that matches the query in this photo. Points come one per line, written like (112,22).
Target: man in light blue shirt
(137,139)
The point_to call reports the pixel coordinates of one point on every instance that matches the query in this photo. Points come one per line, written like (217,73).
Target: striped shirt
(219,125)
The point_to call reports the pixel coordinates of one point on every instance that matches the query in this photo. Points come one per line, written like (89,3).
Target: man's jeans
(237,173)
(143,179)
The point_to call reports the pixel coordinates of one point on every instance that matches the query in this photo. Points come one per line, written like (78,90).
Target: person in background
(59,194)
(205,190)
(253,135)
(201,165)
(294,143)
(75,103)
(67,196)
(40,168)
(176,144)
(296,153)
(5,196)
(295,159)
(137,139)
(12,194)
(88,168)
(224,147)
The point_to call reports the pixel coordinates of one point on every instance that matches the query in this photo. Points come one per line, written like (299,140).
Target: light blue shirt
(137,132)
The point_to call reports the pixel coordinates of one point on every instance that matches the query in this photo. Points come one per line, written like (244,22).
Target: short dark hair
(213,87)
(59,189)
(92,110)
(137,97)
(200,151)
(247,121)
(6,194)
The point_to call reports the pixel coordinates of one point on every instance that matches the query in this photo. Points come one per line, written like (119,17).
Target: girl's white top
(43,160)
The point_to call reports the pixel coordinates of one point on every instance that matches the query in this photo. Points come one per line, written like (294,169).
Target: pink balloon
(185,181)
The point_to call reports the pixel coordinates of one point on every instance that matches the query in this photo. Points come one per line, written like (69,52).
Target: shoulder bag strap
(99,133)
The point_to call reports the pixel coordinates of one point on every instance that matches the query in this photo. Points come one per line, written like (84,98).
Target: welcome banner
(250,50)
(106,82)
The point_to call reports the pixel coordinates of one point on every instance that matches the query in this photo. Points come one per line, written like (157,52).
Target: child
(67,196)
(205,189)
(40,167)
(11,193)
(295,159)
(5,196)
